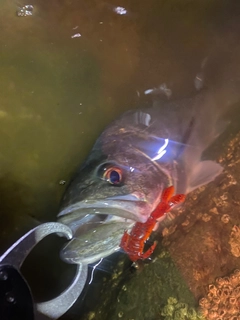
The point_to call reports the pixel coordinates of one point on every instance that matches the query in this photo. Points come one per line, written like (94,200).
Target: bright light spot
(132,169)
(162,89)
(120,10)
(161,151)
(76,35)
(148,91)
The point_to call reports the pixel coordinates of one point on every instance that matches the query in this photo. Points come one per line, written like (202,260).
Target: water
(71,68)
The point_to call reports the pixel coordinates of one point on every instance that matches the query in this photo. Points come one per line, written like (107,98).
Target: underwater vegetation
(222,301)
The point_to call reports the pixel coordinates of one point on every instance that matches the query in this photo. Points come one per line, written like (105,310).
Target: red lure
(133,243)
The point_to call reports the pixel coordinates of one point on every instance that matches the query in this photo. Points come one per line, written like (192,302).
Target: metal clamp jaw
(12,260)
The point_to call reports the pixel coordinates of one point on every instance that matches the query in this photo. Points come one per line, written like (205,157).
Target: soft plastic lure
(133,243)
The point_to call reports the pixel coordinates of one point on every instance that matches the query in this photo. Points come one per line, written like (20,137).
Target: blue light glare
(161,151)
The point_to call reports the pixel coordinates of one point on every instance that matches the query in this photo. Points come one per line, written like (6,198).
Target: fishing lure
(133,243)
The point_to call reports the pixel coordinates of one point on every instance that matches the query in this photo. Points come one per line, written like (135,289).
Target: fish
(135,158)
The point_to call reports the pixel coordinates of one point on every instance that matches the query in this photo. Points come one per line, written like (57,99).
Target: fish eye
(113,175)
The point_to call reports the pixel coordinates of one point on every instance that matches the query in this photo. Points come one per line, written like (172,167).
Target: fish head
(122,182)
(107,196)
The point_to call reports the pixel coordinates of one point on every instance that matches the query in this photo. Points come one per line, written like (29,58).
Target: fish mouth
(130,207)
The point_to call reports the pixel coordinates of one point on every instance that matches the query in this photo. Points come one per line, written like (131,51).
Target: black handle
(16,301)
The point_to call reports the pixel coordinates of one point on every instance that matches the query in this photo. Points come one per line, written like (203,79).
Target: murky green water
(58,91)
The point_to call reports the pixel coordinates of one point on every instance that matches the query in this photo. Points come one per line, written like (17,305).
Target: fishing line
(93,269)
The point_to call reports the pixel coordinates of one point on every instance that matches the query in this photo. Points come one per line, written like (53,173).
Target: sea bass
(132,162)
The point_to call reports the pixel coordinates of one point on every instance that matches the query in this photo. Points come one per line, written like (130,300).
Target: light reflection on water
(58,91)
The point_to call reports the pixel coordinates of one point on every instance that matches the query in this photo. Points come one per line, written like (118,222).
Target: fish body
(152,149)
(132,162)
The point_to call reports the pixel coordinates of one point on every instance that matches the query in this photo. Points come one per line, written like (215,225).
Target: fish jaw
(98,226)
(137,210)
(97,243)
